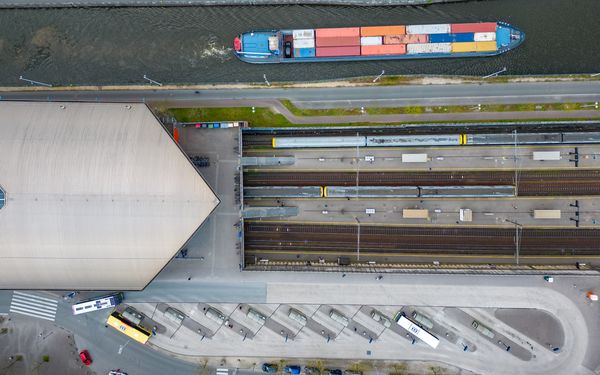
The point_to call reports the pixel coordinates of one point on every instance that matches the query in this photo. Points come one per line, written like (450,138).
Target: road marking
(222,371)
(33,305)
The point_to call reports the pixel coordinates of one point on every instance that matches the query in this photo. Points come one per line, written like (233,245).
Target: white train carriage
(318,142)
(414,140)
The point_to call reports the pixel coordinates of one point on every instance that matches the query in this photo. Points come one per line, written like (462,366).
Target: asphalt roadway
(401,95)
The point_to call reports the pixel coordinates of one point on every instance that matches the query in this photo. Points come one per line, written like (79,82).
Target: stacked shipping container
(304,43)
(338,42)
(373,40)
(395,40)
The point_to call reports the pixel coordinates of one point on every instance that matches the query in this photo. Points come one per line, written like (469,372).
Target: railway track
(260,137)
(295,239)
(530,183)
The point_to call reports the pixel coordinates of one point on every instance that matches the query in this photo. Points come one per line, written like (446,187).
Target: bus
(419,332)
(256,316)
(98,303)
(135,332)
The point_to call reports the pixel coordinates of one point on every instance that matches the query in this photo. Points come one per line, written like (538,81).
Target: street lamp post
(518,230)
(357,166)
(153,82)
(357,239)
(21,78)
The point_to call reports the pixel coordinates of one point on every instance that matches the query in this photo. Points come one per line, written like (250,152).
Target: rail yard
(521,195)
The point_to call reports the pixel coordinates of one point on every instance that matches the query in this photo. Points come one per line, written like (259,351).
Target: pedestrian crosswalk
(33,305)
(222,371)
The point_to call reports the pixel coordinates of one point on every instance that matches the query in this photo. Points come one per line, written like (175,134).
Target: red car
(84,355)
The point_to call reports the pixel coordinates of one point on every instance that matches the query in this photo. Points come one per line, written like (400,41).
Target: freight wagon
(377,43)
(437,140)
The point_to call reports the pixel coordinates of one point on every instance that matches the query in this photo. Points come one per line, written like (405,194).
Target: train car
(590,137)
(324,142)
(510,138)
(467,191)
(283,192)
(371,191)
(414,140)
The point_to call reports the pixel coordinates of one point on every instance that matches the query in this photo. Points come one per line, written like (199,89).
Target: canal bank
(16,4)
(193,45)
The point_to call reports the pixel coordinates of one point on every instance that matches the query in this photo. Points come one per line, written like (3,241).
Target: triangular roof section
(97,196)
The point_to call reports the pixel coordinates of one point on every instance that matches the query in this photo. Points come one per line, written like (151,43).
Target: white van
(215,315)
(256,316)
(338,317)
(297,316)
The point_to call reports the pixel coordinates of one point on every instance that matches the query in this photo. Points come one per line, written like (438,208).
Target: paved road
(350,96)
(579,318)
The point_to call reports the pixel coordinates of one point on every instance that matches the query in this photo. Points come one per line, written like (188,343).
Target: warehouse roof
(97,196)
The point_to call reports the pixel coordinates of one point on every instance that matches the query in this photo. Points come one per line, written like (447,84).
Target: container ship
(377,42)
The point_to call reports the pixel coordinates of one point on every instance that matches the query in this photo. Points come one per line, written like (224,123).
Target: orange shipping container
(406,39)
(382,30)
(338,41)
(343,31)
(390,49)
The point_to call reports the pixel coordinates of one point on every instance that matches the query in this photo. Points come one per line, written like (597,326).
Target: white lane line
(35,296)
(33,315)
(30,311)
(29,301)
(32,307)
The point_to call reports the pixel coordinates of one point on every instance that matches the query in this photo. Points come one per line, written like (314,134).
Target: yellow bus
(137,333)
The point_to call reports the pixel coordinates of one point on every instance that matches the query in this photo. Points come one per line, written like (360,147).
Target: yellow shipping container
(473,47)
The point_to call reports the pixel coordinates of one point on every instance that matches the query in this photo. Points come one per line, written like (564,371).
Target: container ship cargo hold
(377,42)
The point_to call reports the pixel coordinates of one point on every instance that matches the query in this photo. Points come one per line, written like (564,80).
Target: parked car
(269,367)
(84,355)
(329,371)
(292,369)
(312,371)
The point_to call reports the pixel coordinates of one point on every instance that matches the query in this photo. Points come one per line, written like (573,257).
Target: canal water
(193,44)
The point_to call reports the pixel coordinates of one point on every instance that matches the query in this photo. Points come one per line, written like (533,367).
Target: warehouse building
(94,196)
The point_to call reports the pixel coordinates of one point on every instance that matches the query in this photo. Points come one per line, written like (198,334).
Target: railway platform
(434,158)
(541,212)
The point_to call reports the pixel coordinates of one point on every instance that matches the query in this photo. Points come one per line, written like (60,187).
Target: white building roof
(97,196)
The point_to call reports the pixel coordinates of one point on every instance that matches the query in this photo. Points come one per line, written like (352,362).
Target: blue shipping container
(304,52)
(451,38)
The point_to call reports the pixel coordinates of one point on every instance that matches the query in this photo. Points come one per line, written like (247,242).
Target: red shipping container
(389,49)
(481,27)
(343,31)
(338,41)
(338,51)
(406,39)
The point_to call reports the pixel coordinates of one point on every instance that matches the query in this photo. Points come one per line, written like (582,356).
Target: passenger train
(436,140)
(379,191)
